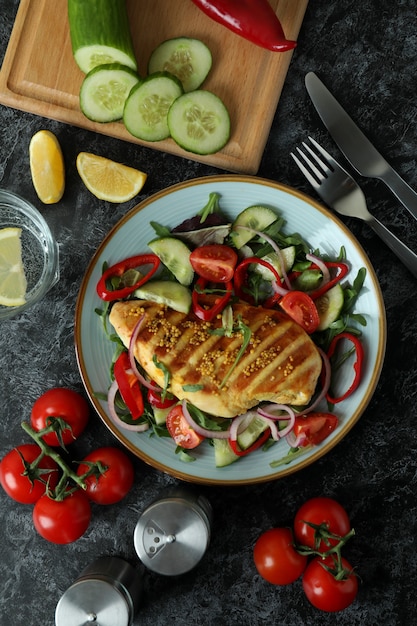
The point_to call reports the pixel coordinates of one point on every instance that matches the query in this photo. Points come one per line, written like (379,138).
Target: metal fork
(340,191)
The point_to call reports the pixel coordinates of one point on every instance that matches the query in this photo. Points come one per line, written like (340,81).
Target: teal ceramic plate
(170,207)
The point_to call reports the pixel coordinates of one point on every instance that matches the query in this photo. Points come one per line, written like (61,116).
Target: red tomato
(116,481)
(324,591)
(21,483)
(320,511)
(315,426)
(156,400)
(62,521)
(301,308)
(276,558)
(181,431)
(60,403)
(214,262)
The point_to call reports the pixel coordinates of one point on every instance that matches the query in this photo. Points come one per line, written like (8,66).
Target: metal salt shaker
(106,593)
(173,533)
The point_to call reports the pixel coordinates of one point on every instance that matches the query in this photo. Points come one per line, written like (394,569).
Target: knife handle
(405,194)
(403,252)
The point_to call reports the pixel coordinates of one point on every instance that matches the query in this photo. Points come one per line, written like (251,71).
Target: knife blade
(356,147)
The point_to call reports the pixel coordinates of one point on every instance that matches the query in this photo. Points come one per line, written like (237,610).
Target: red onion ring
(239,421)
(132,359)
(111,394)
(204,432)
(265,411)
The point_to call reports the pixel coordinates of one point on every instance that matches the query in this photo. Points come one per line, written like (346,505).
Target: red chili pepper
(235,447)
(200,310)
(241,273)
(254,20)
(129,385)
(357,366)
(119,269)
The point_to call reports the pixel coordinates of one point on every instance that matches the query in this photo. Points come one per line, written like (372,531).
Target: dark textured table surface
(367,53)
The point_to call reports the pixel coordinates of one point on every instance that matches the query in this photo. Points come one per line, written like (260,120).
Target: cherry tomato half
(324,591)
(181,431)
(301,308)
(320,511)
(116,481)
(276,559)
(214,262)
(62,521)
(20,484)
(66,404)
(315,426)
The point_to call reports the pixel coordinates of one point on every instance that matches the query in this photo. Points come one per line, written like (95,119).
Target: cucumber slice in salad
(199,122)
(174,295)
(329,306)
(175,255)
(223,453)
(255,218)
(104,91)
(146,109)
(186,58)
(288,257)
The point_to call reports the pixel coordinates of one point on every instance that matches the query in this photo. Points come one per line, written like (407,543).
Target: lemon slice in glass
(12,274)
(47,167)
(109,180)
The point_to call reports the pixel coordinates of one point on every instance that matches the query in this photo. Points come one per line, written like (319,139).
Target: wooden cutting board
(39,74)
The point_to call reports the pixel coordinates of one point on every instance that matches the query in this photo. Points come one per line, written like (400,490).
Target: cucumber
(146,109)
(104,91)
(188,59)
(223,453)
(174,295)
(329,306)
(175,255)
(288,256)
(252,432)
(254,217)
(160,415)
(100,33)
(308,280)
(199,122)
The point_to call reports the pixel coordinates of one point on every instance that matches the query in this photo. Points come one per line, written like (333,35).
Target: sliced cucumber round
(255,218)
(188,59)
(104,91)
(199,122)
(175,255)
(146,109)
(174,295)
(329,306)
(251,433)
(288,257)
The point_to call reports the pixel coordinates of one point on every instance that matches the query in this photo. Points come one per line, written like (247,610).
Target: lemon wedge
(47,166)
(12,275)
(109,180)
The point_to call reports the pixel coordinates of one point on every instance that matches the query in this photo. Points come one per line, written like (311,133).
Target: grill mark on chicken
(280,364)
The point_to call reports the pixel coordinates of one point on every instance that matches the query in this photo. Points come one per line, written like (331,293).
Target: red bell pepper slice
(254,20)
(209,314)
(119,269)
(357,366)
(342,270)
(241,273)
(129,386)
(257,444)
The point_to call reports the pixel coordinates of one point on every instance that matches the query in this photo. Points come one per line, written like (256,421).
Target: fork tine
(313,182)
(324,152)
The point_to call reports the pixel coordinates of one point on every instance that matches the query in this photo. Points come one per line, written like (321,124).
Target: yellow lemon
(12,275)
(109,180)
(47,166)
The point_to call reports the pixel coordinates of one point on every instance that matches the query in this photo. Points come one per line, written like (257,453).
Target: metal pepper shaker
(173,533)
(106,593)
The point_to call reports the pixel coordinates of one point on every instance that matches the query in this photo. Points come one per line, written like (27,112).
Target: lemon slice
(12,275)
(109,180)
(47,167)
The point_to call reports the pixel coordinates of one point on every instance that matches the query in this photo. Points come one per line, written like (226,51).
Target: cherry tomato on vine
(60,402)
(301,308)
(22,483)
(324,591)
(181,431)
(276,559)
(215,262)
(116,481)
(62,521)
(320,511)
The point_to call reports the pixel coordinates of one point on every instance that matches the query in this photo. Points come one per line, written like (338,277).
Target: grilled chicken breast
(280,364)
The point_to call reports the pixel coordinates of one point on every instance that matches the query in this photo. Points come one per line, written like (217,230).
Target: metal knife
(357,148)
